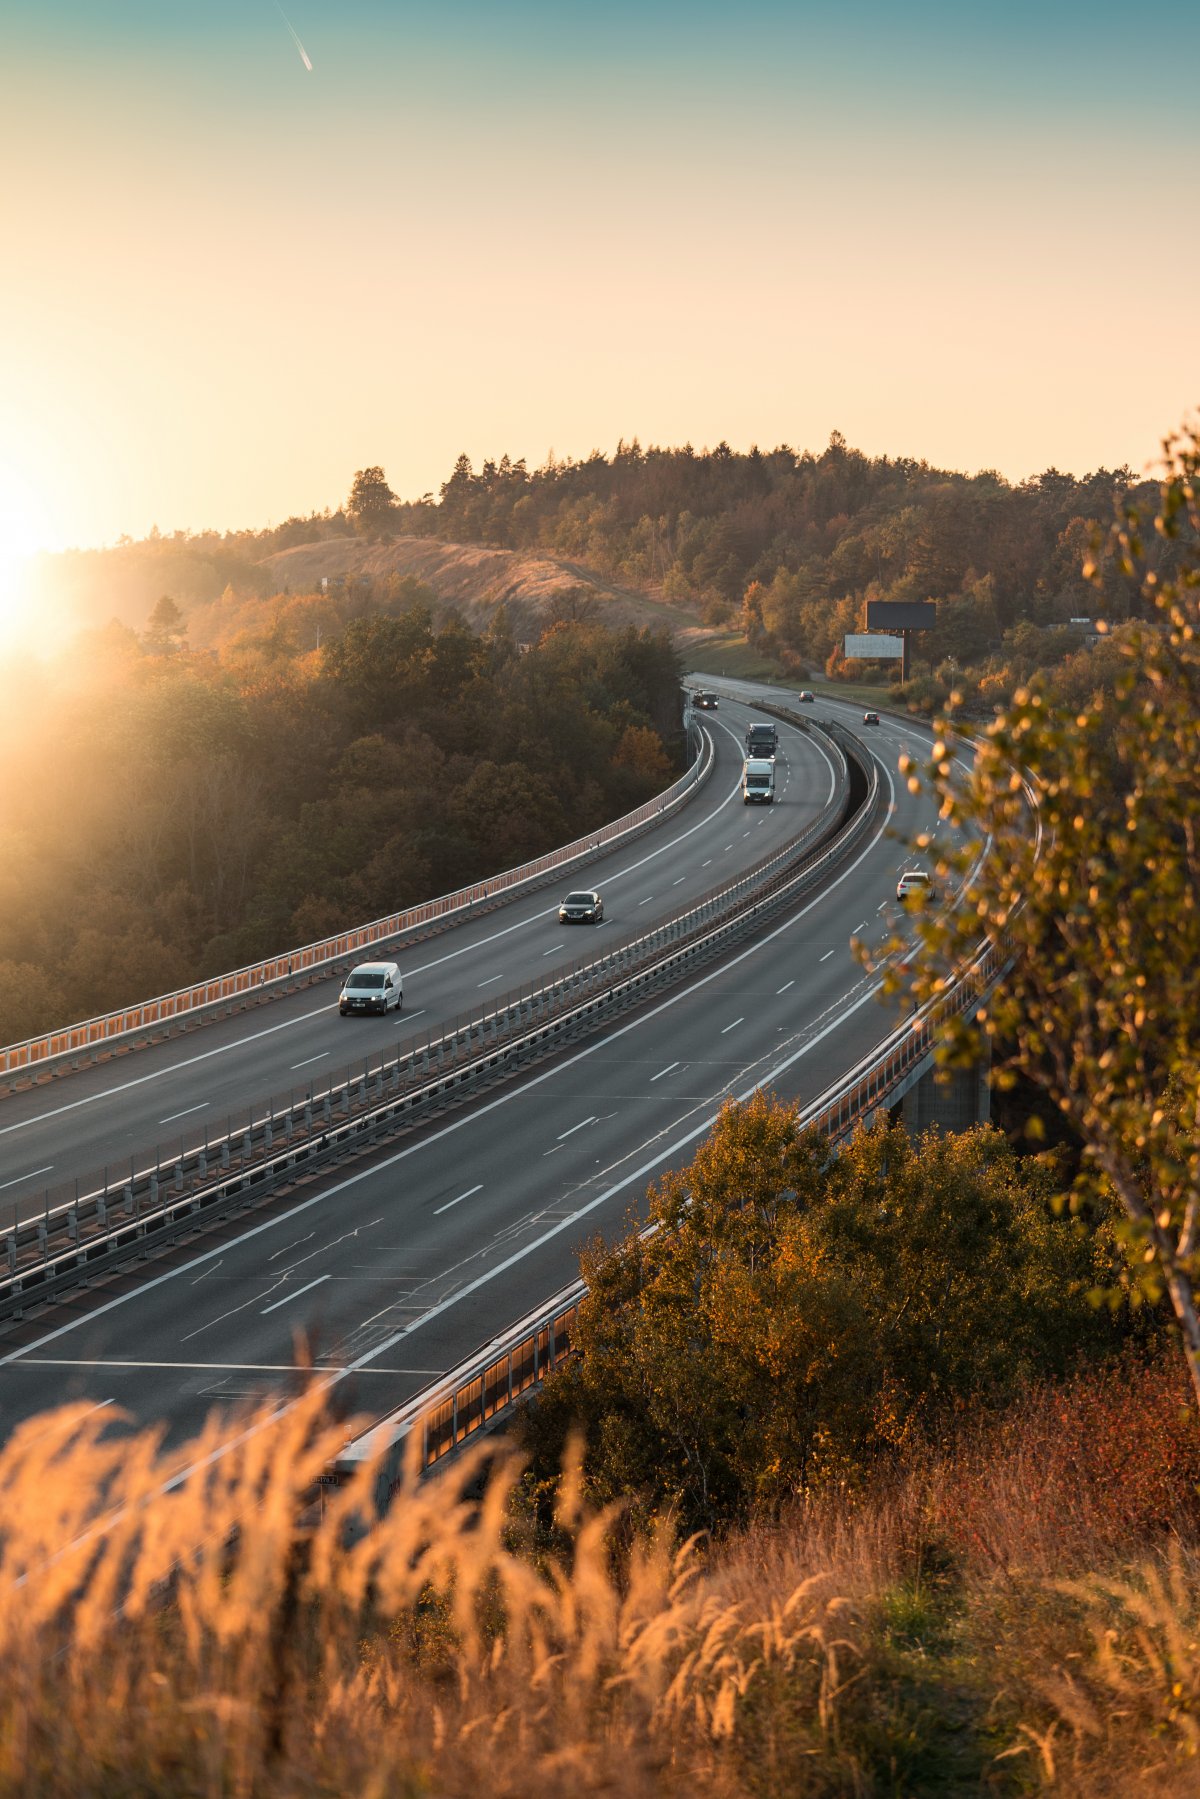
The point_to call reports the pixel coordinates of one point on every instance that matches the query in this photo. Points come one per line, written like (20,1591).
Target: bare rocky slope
(476,580)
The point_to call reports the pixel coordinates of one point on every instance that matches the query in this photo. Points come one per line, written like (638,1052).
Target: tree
(371,501)
(793,1317)
(1100,911)
(165,627)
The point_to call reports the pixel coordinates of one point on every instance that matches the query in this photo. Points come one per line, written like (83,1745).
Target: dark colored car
(705,702)
(805,697)
(870,718)
(581,908)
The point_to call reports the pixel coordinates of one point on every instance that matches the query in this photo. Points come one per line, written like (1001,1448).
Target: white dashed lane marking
(459,1200)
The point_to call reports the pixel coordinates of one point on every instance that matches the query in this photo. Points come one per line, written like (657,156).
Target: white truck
(758,781)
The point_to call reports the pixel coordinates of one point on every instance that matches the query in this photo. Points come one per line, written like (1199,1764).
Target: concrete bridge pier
(952,1098)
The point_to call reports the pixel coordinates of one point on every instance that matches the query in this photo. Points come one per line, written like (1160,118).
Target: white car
(372,987)
(915,884)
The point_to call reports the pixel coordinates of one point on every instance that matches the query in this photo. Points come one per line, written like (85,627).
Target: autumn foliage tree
(793,1316)
(1100,1005)
(226,806)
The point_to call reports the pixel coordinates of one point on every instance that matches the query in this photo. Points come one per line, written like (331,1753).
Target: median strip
(311,1131)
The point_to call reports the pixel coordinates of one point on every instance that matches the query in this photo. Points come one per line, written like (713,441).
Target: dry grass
(948,1632)
(201,1641)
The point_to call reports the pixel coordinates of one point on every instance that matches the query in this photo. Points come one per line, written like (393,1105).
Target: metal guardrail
(72,1045)
(66,1246)
(497,1376)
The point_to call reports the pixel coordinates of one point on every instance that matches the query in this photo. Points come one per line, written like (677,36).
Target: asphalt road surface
(391,1273)
(87,1126)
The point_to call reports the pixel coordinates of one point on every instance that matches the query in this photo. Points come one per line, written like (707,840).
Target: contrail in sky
(295,39)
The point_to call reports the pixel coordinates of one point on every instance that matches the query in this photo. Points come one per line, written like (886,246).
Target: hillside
(476,579)
(216,581)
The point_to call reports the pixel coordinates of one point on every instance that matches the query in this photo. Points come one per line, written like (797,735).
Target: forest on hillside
(192,842)
(167,814)
(791,547)
(788,545)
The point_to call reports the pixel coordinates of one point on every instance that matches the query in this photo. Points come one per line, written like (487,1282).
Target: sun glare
(21,536)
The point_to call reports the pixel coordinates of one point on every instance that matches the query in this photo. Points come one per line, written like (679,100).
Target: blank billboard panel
(901,615)
(874,645)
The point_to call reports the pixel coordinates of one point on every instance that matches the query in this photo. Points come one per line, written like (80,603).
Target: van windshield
(371,980)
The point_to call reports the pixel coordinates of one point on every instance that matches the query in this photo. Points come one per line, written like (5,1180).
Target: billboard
(901,615)
(874,645)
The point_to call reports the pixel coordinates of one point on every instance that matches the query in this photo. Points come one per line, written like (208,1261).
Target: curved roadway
(393,1273)
(87,1126)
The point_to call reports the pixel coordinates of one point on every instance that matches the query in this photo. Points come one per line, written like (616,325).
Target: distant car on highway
(870,718)
(705,702)
(372,987)
(805,697)
(914,883)
(581,908)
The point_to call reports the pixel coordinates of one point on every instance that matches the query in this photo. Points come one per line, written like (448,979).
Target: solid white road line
(157,1075)
(826,956)
(309,1060)
(554,949)
(490,982)
(604,1041)
(562,1224)
(734,1025)
(301,1017)
(785,986)
(459,1200)
(274,1307)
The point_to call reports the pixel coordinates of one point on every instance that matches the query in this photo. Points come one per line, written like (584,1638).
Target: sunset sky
(951,231)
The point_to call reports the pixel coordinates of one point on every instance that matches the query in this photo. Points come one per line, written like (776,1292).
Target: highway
(396,1270)
(90,1123)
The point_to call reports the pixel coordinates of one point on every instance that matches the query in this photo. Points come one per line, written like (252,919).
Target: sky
(962,232)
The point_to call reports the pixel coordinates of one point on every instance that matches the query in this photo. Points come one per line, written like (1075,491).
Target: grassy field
(728,653)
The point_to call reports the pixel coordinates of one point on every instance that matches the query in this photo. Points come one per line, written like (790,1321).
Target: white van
(372,987)
(758,781)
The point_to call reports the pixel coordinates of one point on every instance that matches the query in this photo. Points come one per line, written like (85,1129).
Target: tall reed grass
(1020,1613)
(225,1635)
